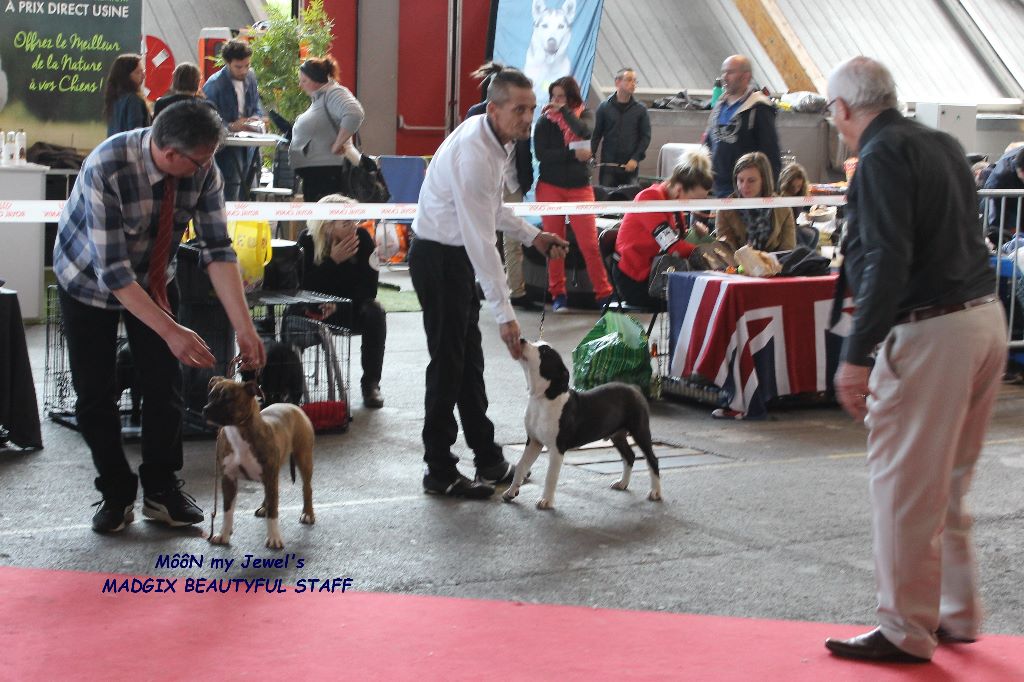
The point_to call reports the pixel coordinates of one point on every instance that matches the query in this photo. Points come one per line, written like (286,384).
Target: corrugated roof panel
(927,53)
(676,44)
(1003,20)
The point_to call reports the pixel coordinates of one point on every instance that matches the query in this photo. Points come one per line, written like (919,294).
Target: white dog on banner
(547,57)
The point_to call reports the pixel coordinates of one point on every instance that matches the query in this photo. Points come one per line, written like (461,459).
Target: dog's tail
(291,465)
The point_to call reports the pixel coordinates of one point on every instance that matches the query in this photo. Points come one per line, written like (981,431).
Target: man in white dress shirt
(460,210)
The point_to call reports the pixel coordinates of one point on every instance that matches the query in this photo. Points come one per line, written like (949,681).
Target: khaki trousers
(932,390)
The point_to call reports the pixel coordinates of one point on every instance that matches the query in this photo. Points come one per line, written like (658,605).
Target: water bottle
(716,92)
(20,153)
(9,147)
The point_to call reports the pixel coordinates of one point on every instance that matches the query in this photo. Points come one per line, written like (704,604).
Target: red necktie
(160,256)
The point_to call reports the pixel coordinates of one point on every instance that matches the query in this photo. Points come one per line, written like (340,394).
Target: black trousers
(634,292)
(446,287)
(610,176)
(368,319)
(319,181)
(91,337)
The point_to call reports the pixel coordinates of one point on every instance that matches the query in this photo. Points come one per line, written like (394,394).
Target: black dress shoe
(946,637)
(459,486)
(871,646)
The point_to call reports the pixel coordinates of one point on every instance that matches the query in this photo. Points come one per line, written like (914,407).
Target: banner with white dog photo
(548,39)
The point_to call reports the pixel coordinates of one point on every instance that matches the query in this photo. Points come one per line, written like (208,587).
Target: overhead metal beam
(784,48)
(987,46)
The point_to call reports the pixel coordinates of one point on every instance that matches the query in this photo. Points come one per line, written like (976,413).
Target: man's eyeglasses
(828,106)
(199,166)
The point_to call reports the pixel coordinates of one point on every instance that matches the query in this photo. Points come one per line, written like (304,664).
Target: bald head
(736,75)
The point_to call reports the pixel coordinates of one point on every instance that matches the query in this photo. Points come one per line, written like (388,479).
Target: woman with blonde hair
(341,260)
(793,182)
(765,229)
(642,236)
(124,107)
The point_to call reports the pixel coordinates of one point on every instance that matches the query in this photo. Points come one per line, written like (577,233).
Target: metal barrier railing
(1002,213)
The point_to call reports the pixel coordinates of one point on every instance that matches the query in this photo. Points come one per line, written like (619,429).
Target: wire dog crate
(321,357)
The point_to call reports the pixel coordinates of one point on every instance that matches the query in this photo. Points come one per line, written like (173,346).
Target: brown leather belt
(928,312)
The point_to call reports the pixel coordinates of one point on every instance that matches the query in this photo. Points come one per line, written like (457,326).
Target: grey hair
(864,84)
(188,125)
(503,79)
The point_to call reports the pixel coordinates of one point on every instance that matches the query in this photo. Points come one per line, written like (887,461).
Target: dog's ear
(253,389)
(539,7)
(569,8)
(213,382)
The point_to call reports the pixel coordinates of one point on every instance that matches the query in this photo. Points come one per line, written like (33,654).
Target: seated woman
(341,260)
(641,235)
(793,183)
(765,229)
(560,143)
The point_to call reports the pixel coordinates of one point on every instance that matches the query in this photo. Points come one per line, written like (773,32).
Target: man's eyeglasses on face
(827,111)
(199,165)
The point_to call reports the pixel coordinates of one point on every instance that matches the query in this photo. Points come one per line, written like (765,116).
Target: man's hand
(345,247)
(510,335)
(551,245)
(851,384)
(189,347)
(250,348)
(631,165)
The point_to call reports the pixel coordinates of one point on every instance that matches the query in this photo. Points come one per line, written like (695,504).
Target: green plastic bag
(614,350)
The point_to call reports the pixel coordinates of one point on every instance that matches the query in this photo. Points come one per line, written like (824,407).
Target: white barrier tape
(49,211)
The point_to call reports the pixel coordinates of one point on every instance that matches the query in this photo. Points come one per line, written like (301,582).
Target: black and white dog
(562,419)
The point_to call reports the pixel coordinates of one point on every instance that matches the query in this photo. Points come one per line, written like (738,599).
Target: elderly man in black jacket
(624,127)
(920,365)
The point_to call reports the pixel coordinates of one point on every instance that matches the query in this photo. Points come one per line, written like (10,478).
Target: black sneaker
(112,517)
(496,474)
(460,486)
(174,507)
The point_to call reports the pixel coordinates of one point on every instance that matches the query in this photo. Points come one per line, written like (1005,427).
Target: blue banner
(548,39)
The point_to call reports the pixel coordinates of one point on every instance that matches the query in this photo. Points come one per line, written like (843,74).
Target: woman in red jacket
(642,236)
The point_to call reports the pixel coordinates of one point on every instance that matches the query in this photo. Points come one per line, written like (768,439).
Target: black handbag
(661,266)
(364,182)
(284,271)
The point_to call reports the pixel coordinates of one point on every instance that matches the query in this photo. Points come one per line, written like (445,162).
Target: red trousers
(585,229)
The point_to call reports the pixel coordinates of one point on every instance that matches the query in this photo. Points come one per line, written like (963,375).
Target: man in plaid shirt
(107,237)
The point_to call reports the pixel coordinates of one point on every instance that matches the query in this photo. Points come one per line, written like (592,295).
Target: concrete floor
(777,528)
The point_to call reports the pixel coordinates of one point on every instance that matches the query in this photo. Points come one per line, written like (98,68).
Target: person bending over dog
(341,260)
(116,239)
(460,209)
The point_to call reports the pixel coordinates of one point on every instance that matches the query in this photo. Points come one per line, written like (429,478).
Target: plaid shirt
(109,224)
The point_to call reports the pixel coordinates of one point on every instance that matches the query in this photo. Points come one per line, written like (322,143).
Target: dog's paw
(510,495)
(275,543)
(219,539)
(545,504)
(309,519)
(261,513)
(654,496)
(619,485)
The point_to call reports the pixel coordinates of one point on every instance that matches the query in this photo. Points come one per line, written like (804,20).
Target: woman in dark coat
(341,260)
(124,107)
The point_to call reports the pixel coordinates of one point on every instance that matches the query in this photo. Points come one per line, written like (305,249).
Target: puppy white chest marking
(240,460)
(542,417)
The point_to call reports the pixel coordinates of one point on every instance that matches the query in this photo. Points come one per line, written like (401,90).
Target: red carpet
(58,625)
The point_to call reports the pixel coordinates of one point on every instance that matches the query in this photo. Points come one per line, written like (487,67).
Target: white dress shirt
(461,205)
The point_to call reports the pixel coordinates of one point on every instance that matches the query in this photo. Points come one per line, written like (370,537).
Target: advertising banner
(54,59)
(548,39)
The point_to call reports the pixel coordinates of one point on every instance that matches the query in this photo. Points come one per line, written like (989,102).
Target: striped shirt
(109,224)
